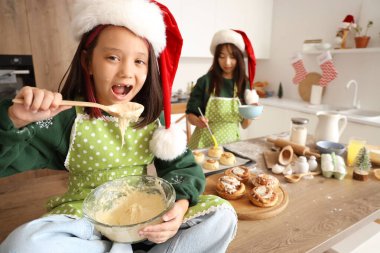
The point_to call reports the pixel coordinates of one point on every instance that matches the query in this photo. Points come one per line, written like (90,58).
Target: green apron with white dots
(223,118)
(96,156)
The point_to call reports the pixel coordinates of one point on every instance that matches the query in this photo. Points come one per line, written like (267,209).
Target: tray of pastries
(254,196)
(216,159)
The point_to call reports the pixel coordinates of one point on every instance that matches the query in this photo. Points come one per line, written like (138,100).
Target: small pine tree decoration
(362,165)
(362,160)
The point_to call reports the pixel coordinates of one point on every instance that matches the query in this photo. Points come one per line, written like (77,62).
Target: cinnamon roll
(229,187)
(263,196)
(240,172)
(266,180)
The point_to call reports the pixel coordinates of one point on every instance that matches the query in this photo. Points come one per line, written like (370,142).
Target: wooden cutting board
(304,87)
(243,207)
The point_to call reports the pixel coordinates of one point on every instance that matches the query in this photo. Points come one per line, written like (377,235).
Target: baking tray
(245,161)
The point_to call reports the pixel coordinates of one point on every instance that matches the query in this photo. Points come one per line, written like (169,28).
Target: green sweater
(200,95)
(45,144)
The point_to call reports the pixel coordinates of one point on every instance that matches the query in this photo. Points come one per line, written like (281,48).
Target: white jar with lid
(298,133)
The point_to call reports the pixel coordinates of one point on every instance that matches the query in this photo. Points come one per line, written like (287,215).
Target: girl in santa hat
(219,93)
(128,52)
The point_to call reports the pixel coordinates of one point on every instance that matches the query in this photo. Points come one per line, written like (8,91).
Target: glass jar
(298,133)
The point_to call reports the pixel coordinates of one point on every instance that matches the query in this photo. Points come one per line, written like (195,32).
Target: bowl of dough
(120,208)
(250,111)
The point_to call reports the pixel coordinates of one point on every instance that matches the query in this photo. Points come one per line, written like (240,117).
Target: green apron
(96,156)
(223,118)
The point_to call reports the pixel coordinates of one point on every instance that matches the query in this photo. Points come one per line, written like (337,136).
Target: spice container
(298,133)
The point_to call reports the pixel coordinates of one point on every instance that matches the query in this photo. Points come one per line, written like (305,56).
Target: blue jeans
(61,234)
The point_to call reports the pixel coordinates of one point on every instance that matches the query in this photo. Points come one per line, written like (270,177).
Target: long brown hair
(239,74)
(150,94)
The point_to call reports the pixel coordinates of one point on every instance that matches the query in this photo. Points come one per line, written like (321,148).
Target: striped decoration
(329,73)
(300,71)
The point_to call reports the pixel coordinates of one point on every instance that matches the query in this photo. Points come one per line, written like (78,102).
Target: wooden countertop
(321,212)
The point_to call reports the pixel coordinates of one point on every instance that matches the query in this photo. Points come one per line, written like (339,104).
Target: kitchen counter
(305,107)
(321,212)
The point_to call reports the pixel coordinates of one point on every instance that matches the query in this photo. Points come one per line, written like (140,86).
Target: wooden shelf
(347,51)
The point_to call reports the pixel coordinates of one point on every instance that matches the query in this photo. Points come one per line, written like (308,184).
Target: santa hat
(242,42)
(348,22)
(154,22)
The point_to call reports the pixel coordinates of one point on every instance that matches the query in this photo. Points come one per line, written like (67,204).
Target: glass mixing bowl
(108,197)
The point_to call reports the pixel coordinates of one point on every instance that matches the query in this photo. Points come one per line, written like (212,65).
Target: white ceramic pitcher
(330,126)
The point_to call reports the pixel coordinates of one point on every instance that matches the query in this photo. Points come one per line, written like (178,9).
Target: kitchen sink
(360,113)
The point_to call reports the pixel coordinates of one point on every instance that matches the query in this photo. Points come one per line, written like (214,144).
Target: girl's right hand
(39,104)
(203,121)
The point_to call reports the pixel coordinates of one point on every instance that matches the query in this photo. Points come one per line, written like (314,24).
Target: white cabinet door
(198,20)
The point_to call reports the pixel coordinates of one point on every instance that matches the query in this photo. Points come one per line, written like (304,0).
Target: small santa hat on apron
(154,22)
(241,41)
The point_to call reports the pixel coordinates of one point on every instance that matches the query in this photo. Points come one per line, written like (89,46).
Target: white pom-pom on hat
(168,144)
(251,97)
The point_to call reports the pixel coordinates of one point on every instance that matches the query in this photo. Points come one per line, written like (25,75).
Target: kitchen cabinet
(199,20)
(40,28)
(278,120)
(14,28)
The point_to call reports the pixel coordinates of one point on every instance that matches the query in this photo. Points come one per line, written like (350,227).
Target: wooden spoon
(294,178)
(124,110)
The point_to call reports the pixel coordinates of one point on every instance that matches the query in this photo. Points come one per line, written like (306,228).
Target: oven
(16,71)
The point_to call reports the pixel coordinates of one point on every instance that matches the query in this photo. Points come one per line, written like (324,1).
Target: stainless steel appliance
(15,71)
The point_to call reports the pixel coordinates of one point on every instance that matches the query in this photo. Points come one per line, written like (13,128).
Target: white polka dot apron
(223,119)
(96,156)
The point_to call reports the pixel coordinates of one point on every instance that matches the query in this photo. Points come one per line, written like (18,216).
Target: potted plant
(362,165)
(361,41)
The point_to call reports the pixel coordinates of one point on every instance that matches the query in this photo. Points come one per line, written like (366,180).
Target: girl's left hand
(172,221)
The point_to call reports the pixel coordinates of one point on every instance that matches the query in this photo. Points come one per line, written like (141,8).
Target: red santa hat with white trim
(154,22)
(242,42)
(348,22)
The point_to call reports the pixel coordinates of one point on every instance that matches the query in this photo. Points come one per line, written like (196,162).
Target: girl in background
(219,93)
(116,62)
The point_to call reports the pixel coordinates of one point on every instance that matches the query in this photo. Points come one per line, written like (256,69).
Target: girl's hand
(203,121)
(172,221)
(197,121)
(39,104)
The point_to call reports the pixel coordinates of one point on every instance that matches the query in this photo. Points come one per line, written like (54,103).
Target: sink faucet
(355,101)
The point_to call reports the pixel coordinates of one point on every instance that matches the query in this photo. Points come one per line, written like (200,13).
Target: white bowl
(328,147)
(108,198)
(250,111)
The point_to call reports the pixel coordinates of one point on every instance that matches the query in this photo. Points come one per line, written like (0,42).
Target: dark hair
(150,94)
(216,71)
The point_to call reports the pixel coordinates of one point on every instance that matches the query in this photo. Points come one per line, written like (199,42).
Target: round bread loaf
(227,158)
(211,164)
(215,152)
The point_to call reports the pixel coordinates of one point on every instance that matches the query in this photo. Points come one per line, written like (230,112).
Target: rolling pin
(298,149)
